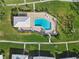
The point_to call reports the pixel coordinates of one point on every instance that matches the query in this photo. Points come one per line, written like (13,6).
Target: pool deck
(34,15)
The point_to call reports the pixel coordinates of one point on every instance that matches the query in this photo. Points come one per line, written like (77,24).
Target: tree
(75,7)
(2,10)
(15,11)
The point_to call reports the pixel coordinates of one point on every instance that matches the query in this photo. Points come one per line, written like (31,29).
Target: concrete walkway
(40,43)
(70,0)
(68,42)
(27,3)
(40,1)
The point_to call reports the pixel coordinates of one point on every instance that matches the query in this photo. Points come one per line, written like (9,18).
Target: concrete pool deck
(35,15)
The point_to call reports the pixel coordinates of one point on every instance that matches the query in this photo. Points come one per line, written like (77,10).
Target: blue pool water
(43,22)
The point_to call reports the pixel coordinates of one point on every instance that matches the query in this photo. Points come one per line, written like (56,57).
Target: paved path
(71,0)
(5,41)
(67,48)
(49,38)
(27,3)
(38,2)
(34,7)
(38,43)
(39,47)
(24,1)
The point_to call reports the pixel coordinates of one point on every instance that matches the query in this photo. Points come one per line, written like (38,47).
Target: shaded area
(1,51)
(66,54)
(40,53)
(17,51)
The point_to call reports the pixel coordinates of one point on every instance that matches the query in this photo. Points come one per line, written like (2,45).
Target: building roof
(68,55)
(18,54)
(1,56)
(41,53)
(70,58)
(43,57)
(71,0)
(21,21)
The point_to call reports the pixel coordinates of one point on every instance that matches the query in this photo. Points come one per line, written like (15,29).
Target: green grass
(13,1)
(27,7)
(57,9)
(31,47)
(53,48)
(74,47)
(61,10)
(9,33)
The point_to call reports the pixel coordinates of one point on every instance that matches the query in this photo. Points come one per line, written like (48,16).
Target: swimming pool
(43,22)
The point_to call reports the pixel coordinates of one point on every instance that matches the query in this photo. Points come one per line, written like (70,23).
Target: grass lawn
(7,32)
(74,47)
(57,9)
(28,7)
(6,47)
(53,48)
(31,47)
(61,10)
(13,1)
